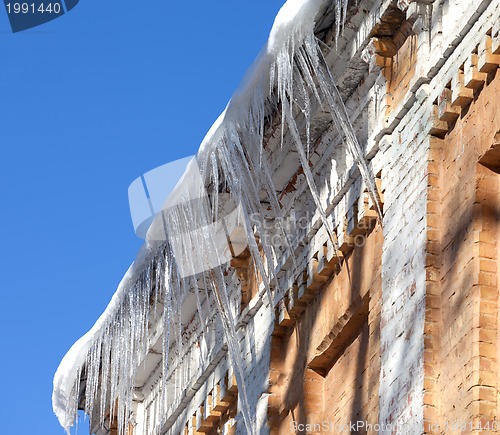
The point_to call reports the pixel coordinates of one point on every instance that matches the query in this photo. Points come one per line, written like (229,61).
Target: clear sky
(89,102)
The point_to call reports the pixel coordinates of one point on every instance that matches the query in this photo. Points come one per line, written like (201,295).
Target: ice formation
(289,74)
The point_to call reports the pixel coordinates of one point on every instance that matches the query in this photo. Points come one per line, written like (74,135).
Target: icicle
(219,287)
(285,64)
(341,118)
(167,318)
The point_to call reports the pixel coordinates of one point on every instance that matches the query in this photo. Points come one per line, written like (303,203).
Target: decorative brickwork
(325,363)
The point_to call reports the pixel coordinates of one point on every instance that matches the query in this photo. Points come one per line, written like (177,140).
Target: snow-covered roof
(273,71)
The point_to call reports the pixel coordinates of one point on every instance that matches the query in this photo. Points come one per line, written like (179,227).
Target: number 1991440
(32,8)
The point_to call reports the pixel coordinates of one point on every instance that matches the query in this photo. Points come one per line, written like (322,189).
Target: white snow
(296,17)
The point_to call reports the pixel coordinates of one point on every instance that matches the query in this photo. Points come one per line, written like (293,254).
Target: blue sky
(88,102)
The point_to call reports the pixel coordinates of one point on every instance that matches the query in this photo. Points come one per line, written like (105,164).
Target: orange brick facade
(325,365)
(461,338)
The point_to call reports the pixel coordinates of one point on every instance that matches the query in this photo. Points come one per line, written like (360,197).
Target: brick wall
(325,366)
(462,374)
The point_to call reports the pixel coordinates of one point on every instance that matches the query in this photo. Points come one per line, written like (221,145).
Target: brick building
(395,329)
